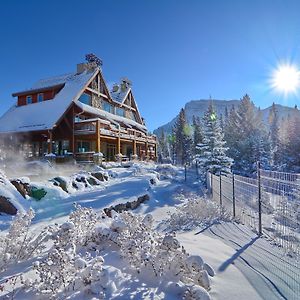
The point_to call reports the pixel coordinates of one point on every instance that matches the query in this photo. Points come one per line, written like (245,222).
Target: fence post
(259,199)
(220,188)
(233,195)
(211,185)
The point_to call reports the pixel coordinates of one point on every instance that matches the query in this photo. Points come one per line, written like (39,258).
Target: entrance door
(111,152)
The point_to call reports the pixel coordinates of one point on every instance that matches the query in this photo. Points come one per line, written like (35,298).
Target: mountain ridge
(197,108)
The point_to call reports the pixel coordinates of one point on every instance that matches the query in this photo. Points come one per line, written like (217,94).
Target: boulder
(143,198)
(92,180)
(100,176)
(7,207)
(59,181)
(23,188)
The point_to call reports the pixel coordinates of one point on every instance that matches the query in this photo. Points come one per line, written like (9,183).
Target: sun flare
(286,79)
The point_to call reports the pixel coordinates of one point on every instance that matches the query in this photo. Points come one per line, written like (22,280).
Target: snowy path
(265,273)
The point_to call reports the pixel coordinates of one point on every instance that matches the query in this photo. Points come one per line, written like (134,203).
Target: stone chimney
(125,84)
(86,67)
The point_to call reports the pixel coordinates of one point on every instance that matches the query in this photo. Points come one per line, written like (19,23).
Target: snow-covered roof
(109,116)
(44,115)
(46,82)
(121,94)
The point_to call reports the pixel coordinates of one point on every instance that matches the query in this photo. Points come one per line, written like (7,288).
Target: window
(120,112)
(86,146)
(86,99)
(28,99)
(107,107)
(132,116)
(40,97)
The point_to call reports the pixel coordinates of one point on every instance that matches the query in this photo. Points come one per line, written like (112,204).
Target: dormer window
(29,99)
(40,97)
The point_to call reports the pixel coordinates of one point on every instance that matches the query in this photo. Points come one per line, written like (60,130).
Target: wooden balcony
(89,127)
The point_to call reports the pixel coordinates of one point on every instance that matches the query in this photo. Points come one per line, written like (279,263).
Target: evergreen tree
(212,155)
(274,137)
(293,141)
(172,146)
(197,133)
(183,140)
(244,134)
(162,146)
(187,144)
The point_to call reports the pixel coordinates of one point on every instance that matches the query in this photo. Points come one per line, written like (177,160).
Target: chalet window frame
(27,99)
(40,95)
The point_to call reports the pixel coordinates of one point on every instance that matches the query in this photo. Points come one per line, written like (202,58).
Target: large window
(107,107)
(120,112)
(86,146)
(61,147)
(86,99)
(28,99)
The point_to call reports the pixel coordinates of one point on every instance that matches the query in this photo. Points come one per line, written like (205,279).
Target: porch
(115,143)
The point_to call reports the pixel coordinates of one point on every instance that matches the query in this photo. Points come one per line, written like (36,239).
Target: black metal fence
(269,204)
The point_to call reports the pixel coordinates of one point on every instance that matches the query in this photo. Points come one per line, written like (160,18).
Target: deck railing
(89,127)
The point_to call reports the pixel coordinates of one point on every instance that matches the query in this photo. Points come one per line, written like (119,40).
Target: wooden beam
(49,141)
(72,142)
(98,146)
(103,95)
(119,144)
(146,151)
(93,91)
(134,147)
(98,83)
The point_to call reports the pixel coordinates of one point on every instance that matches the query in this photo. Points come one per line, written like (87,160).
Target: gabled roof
(109,116)
(120,95)
(44,115)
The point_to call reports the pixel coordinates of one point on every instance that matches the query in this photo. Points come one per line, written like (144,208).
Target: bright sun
(286,79)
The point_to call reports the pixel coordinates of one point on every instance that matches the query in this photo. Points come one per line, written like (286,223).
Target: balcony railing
(89,127)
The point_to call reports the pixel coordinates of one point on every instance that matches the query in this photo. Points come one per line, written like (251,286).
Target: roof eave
(33,91)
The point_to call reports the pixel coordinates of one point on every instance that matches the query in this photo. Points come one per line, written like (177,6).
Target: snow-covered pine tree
(244,132)
(212,155)
(275,146)
(183,140)
(163,151)
(293,141)
(187,144)
(197,133)
(171,140)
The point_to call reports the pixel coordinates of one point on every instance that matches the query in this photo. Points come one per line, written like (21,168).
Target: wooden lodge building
(76,115)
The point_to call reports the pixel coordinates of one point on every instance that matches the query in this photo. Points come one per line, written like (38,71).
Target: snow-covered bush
(167,171)
(145,248)
(19,244)
(196,211)
(73,263)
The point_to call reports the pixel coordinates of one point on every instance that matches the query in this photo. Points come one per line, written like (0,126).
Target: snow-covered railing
(89,127)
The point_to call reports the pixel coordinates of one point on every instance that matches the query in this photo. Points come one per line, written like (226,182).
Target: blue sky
(173,51)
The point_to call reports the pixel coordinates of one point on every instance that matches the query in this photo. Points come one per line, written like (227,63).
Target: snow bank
(9,193)
(94,256)
(194,212)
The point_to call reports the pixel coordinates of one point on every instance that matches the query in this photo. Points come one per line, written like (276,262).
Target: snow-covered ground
(246,267)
